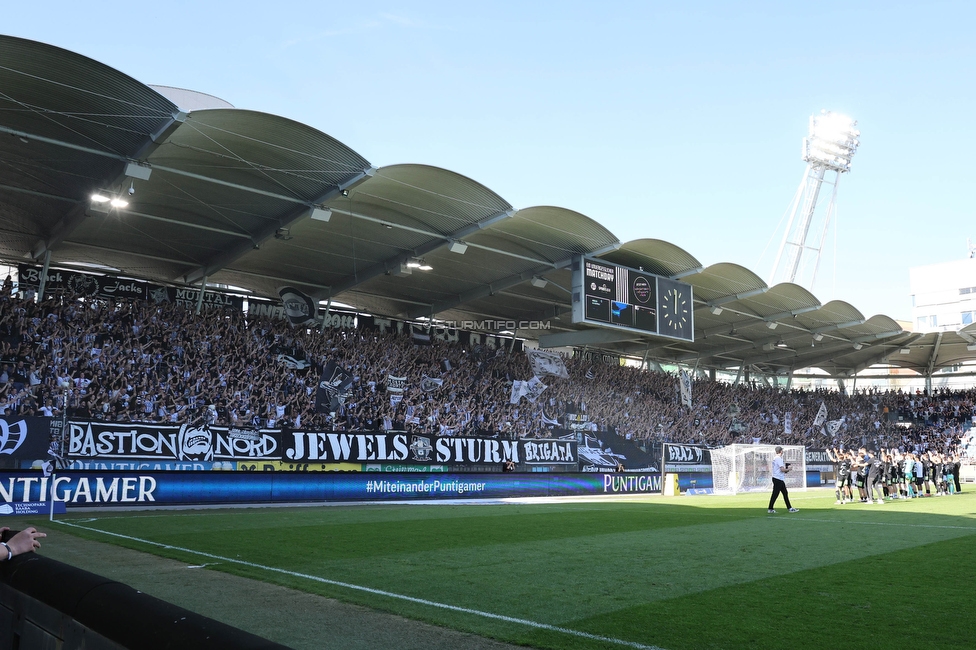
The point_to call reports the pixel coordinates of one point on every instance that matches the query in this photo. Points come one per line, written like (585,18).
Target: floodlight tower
(832,142)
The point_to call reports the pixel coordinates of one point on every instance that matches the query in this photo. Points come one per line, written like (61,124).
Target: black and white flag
(547,363)
(534,389)
(333,388)
(549,417)
(684,381)
(519,389)
(299,308)
(395,384)
(429,384)
(821,418)
(420,334)
(833,426)
(293,362)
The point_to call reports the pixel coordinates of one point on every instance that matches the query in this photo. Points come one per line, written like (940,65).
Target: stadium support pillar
(711,374)
(840,386)
(789,381)
(203,289)
(738,376)
(43,282)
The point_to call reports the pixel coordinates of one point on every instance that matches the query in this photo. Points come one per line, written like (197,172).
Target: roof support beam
(934,357)
(504,283)
(586,337)
(793,312)
(231,254)
(392,263)
(77,213)
(724,300)
(168,260)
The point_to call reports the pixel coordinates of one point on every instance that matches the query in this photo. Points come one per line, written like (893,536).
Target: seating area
(137,361)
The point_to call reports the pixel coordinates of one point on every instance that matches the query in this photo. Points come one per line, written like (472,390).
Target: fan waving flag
(299,308)
(333,388)
(821,416)
(547,363)
(684,382)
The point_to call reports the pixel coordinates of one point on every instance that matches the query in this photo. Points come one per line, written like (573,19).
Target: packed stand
(162,363)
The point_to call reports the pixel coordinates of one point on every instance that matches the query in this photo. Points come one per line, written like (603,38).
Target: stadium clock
(674,309)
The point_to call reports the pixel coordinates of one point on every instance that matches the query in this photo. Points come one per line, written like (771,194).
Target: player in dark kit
(873,480)
(842,475)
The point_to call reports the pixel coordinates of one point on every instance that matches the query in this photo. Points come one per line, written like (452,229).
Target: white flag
(519,388)
(684,380)
(821,416)
(534,388)
(547,363)
(788,423)
(834,426)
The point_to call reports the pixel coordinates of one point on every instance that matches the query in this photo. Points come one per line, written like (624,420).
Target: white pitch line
(872,523)
(378,592)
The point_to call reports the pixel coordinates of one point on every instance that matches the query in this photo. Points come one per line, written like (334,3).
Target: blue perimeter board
(80,489)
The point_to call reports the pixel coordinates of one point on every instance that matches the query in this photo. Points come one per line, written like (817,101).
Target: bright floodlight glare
(99,198)
(413,264)
(832,142)
(424,266)
(118,203)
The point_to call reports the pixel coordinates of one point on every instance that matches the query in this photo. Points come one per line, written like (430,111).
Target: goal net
(748,468)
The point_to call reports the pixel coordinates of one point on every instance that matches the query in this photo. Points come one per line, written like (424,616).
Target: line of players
(892,474)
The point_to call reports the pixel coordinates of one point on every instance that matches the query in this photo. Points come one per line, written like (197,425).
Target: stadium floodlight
(818,337)
(832,141)
(118,203)
(830,145)
(100,198)
(424,266)
(781,343)
(320,214)
(457,247)
(858,346)
(413,264)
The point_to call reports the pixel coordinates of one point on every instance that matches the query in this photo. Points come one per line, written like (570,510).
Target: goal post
(748,468)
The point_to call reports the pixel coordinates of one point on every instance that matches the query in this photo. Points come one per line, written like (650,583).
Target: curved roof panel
(654,256)
(547,233)
(66,96)
(264,151)
(725,280)
(423,197)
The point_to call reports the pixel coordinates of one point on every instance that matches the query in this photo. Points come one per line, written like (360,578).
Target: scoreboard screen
(608,295)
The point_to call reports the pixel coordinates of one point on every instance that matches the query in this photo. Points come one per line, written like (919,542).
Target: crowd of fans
(137,361)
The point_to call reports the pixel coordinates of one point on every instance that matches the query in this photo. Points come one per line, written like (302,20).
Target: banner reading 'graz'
(686,458)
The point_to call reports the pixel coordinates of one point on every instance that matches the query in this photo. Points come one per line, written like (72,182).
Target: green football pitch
(654,572)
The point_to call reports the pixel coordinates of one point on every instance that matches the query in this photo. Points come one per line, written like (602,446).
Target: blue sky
(665,120)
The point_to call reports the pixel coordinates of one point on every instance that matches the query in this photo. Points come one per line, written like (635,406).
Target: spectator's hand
(23,542)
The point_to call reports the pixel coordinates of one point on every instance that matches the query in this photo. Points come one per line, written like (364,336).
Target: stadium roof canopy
(238,198)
